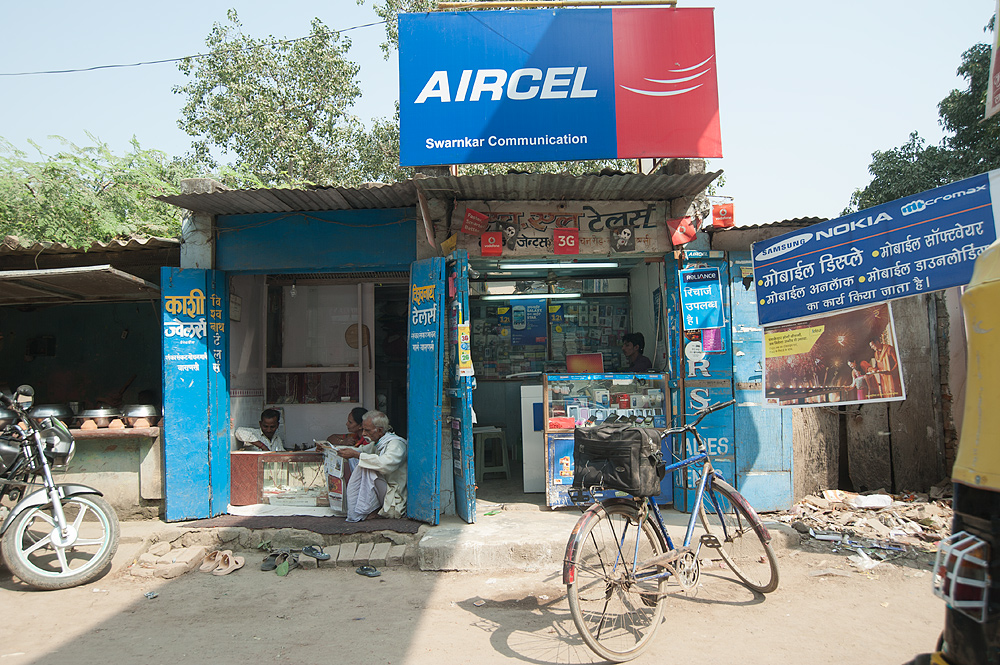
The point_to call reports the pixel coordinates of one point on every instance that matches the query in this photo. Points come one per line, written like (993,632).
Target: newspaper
(335,472)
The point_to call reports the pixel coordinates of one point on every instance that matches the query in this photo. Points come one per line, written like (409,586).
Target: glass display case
(580,400)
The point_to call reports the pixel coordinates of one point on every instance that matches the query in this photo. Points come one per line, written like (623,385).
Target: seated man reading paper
(378,484)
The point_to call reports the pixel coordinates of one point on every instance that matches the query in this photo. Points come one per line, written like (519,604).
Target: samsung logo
(784,247)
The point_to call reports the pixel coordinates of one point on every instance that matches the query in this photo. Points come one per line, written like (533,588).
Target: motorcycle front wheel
(39,555)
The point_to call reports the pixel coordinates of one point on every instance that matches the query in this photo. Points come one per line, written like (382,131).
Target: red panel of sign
(682,230)
(491,243)
(566,241)
(475,222)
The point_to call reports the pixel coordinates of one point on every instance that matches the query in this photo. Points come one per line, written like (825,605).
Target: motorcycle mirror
(26,390)
(25,396)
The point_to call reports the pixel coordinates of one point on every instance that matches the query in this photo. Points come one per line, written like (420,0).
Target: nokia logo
(919,204)
(853,225)
(784,247)
(520,84)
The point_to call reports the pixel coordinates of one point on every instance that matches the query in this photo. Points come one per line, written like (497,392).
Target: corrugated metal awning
(613,186)
(73,285)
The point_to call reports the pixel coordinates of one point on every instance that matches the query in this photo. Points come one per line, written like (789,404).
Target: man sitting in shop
(378,484)
(632,346)
(264,437)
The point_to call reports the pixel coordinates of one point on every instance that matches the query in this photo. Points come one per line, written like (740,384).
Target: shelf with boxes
(579,400)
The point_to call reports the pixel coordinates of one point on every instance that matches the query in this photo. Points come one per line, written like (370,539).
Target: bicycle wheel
(615,611)
(742,544)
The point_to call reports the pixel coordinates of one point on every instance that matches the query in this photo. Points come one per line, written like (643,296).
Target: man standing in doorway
(633,345)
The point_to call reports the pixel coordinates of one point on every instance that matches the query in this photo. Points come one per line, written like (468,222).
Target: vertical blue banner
(186,366)
(701,298)
(528,322)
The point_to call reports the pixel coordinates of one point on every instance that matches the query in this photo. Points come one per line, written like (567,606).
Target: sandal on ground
(316,552)
(228,563)
(287,561)
(210,561)
(368,571)
(271,562)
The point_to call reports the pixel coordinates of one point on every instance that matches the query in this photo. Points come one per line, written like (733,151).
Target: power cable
(186,57)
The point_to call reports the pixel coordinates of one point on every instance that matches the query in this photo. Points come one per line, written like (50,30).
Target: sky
(807,90)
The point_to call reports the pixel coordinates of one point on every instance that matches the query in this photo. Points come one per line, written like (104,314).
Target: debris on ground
(874,526)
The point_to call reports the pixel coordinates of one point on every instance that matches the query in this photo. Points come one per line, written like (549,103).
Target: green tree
(970,146)
(281,107)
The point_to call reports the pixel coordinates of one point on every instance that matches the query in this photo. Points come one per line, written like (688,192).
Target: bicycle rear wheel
(742,544)
(615,610)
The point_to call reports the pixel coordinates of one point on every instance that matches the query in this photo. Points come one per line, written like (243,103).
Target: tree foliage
(970,146)
(280,107)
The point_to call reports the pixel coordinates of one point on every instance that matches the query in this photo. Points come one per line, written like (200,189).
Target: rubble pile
(876,525)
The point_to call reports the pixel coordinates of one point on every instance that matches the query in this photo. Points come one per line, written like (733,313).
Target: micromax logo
(912,207)
(784,247)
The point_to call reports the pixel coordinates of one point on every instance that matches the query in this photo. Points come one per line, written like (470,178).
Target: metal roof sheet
(12,245)
(609,186)
(73,285)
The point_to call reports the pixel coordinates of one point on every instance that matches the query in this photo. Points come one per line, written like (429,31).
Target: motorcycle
(58,536)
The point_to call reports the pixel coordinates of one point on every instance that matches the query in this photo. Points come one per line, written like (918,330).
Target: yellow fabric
(977,463)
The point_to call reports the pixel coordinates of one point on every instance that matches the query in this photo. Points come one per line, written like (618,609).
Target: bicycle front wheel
(739,537)
(615,608)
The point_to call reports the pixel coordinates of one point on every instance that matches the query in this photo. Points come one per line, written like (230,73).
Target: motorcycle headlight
(59,443)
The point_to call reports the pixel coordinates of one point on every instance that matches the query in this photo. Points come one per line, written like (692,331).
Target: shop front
(464,316)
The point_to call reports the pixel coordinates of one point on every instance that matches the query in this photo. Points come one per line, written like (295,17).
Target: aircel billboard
(913,245)
(554,85)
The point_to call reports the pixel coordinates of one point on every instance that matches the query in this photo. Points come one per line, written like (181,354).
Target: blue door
(763,435)
(461,385)
(425,354)
(194,311)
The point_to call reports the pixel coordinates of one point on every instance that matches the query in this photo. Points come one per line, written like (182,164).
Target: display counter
(279,478)
(582,400)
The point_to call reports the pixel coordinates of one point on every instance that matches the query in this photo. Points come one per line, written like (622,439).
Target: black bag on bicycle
(618,457)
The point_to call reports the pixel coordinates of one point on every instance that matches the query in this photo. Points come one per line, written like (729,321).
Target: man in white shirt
(264,437)
(378,484)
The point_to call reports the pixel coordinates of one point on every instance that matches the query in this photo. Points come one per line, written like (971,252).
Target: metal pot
(102,417)
(60,411)
(134,412)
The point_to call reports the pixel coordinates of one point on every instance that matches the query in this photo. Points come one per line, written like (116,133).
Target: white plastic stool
(497,441)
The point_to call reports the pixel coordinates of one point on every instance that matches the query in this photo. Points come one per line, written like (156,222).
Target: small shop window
(309,360)
(535,335)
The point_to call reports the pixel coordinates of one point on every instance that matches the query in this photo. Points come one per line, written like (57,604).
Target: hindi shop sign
(534,229)
(701,298)
(570,84)
(917,244)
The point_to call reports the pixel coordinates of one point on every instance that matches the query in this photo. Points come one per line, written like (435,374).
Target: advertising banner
(570,84)
(701,298)
(845,358)
(528,322)
(917,244)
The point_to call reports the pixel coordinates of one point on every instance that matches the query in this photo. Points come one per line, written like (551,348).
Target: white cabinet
(532,439)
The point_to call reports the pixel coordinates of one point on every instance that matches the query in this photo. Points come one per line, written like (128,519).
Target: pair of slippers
(283,560)
(221,562)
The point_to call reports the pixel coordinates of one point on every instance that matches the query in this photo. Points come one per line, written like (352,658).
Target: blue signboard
(544,85)
(912,245)
(701,298)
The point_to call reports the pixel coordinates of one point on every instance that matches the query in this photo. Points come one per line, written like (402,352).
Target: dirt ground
(824,611)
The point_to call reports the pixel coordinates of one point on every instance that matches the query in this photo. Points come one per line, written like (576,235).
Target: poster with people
(845,358)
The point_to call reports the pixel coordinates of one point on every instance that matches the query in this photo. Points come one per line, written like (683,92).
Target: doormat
(324,525)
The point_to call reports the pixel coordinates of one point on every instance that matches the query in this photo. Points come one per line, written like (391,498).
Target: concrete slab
(346,556)
(363,553)
(380,554)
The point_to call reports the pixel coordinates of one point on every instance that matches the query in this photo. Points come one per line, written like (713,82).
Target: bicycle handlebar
(701,413)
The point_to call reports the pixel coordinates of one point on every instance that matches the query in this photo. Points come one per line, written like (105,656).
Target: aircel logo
(784,247)
(919,204)
(521,84)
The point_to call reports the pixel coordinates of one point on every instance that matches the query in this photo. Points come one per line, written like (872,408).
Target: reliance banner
(921,243)
(555,85)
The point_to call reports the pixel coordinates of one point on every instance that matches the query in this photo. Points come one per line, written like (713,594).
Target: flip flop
(270,562)
(368,571)
(229,563)
(287,562)
(210,561)
(316,552)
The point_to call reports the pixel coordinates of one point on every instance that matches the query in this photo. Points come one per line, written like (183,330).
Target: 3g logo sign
(566,241)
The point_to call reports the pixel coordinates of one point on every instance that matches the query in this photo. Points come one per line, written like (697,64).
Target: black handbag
(618,457)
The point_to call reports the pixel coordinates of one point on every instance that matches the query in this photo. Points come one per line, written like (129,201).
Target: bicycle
(620,560)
